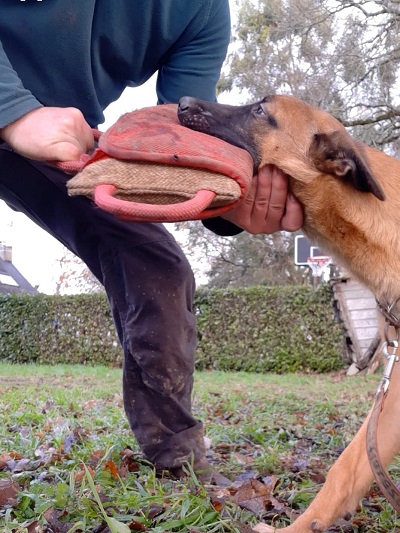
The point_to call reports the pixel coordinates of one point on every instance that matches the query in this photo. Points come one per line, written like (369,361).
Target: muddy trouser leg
(150,288)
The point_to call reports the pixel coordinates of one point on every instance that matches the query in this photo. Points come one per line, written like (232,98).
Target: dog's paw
(263,528)
(315,527)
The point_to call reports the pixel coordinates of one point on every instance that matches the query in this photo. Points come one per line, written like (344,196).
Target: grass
(74,464)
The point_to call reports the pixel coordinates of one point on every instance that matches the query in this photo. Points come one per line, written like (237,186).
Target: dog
(351,198)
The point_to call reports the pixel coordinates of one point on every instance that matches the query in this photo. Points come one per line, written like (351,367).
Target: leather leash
(387,487)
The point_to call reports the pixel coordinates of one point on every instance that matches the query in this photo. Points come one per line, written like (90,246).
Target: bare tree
(340,55)
(244,260)
(74,277)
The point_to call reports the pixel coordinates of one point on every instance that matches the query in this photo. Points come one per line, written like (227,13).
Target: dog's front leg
(351,475)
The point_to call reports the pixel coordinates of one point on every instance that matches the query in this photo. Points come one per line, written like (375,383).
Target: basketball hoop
(318,264)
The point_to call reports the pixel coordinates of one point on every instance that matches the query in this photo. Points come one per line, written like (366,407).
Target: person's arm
(194,69)
(15,100)
(34,131)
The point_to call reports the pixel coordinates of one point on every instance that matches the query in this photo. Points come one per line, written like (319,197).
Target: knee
(170,383)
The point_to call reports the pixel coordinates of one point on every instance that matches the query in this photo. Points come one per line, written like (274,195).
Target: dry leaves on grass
(9,490)
(248,432)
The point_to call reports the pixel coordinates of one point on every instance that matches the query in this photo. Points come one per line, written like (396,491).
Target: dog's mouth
(223,121)
(193,115)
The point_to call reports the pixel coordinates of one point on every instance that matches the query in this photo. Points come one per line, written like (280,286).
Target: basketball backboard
(303,249)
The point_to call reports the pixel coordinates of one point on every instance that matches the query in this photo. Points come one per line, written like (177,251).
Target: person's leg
(150,288)
(158,336)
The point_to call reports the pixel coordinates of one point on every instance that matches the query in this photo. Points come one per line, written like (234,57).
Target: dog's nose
(184,103)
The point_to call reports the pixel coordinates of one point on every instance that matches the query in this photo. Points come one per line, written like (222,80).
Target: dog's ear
(333,154)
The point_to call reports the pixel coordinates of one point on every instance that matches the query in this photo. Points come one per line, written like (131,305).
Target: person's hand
(50,133)
(269,206)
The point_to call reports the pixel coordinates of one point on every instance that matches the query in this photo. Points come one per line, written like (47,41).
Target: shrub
(258,329)
(58,329)
(269,329)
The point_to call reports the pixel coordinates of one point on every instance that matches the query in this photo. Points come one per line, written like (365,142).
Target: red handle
(138,212)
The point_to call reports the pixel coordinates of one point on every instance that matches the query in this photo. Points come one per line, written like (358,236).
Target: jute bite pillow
(148,167)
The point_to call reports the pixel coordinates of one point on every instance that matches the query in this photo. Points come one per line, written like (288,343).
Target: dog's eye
(260,110)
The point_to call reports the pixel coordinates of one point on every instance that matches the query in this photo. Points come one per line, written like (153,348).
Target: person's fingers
(268,206)
(50,133)
(293,218)
(260,194)
(75,137)
(268,198)
(278,186)
(70,150)
(86,137)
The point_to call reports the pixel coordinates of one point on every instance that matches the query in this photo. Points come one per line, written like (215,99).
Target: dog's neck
(361,232)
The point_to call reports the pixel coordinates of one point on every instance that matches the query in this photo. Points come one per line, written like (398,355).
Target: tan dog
(351,199)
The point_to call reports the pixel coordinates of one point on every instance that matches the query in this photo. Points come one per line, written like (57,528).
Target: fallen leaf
(134,525)
(318,477)
(90,404)
(33,527)
(270,482)
(4,458)
(256,496)
(128,463)
(52,516)
(218,504)
(155,510)
(78,476)
(95,458)
(112,468)
(243,528)
(8,490)
(243,459)
(22,465)
(223,447)
(69,441)
(48,405)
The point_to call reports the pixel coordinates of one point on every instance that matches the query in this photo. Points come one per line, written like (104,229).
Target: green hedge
(260,329)
(269,329)
(58,329)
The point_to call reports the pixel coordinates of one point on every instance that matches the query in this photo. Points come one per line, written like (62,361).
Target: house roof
(11,280)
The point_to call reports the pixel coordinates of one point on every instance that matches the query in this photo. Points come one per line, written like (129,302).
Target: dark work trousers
(150,287)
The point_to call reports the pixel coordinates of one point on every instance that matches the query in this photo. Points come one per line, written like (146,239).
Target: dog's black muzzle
(229,123)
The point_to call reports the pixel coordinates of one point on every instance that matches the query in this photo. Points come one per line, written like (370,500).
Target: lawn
(68,461)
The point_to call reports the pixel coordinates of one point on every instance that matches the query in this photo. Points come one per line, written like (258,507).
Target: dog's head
(303,141)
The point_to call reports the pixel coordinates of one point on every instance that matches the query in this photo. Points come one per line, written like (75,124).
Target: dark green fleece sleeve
(222,227)
(194,69)
(15,100)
